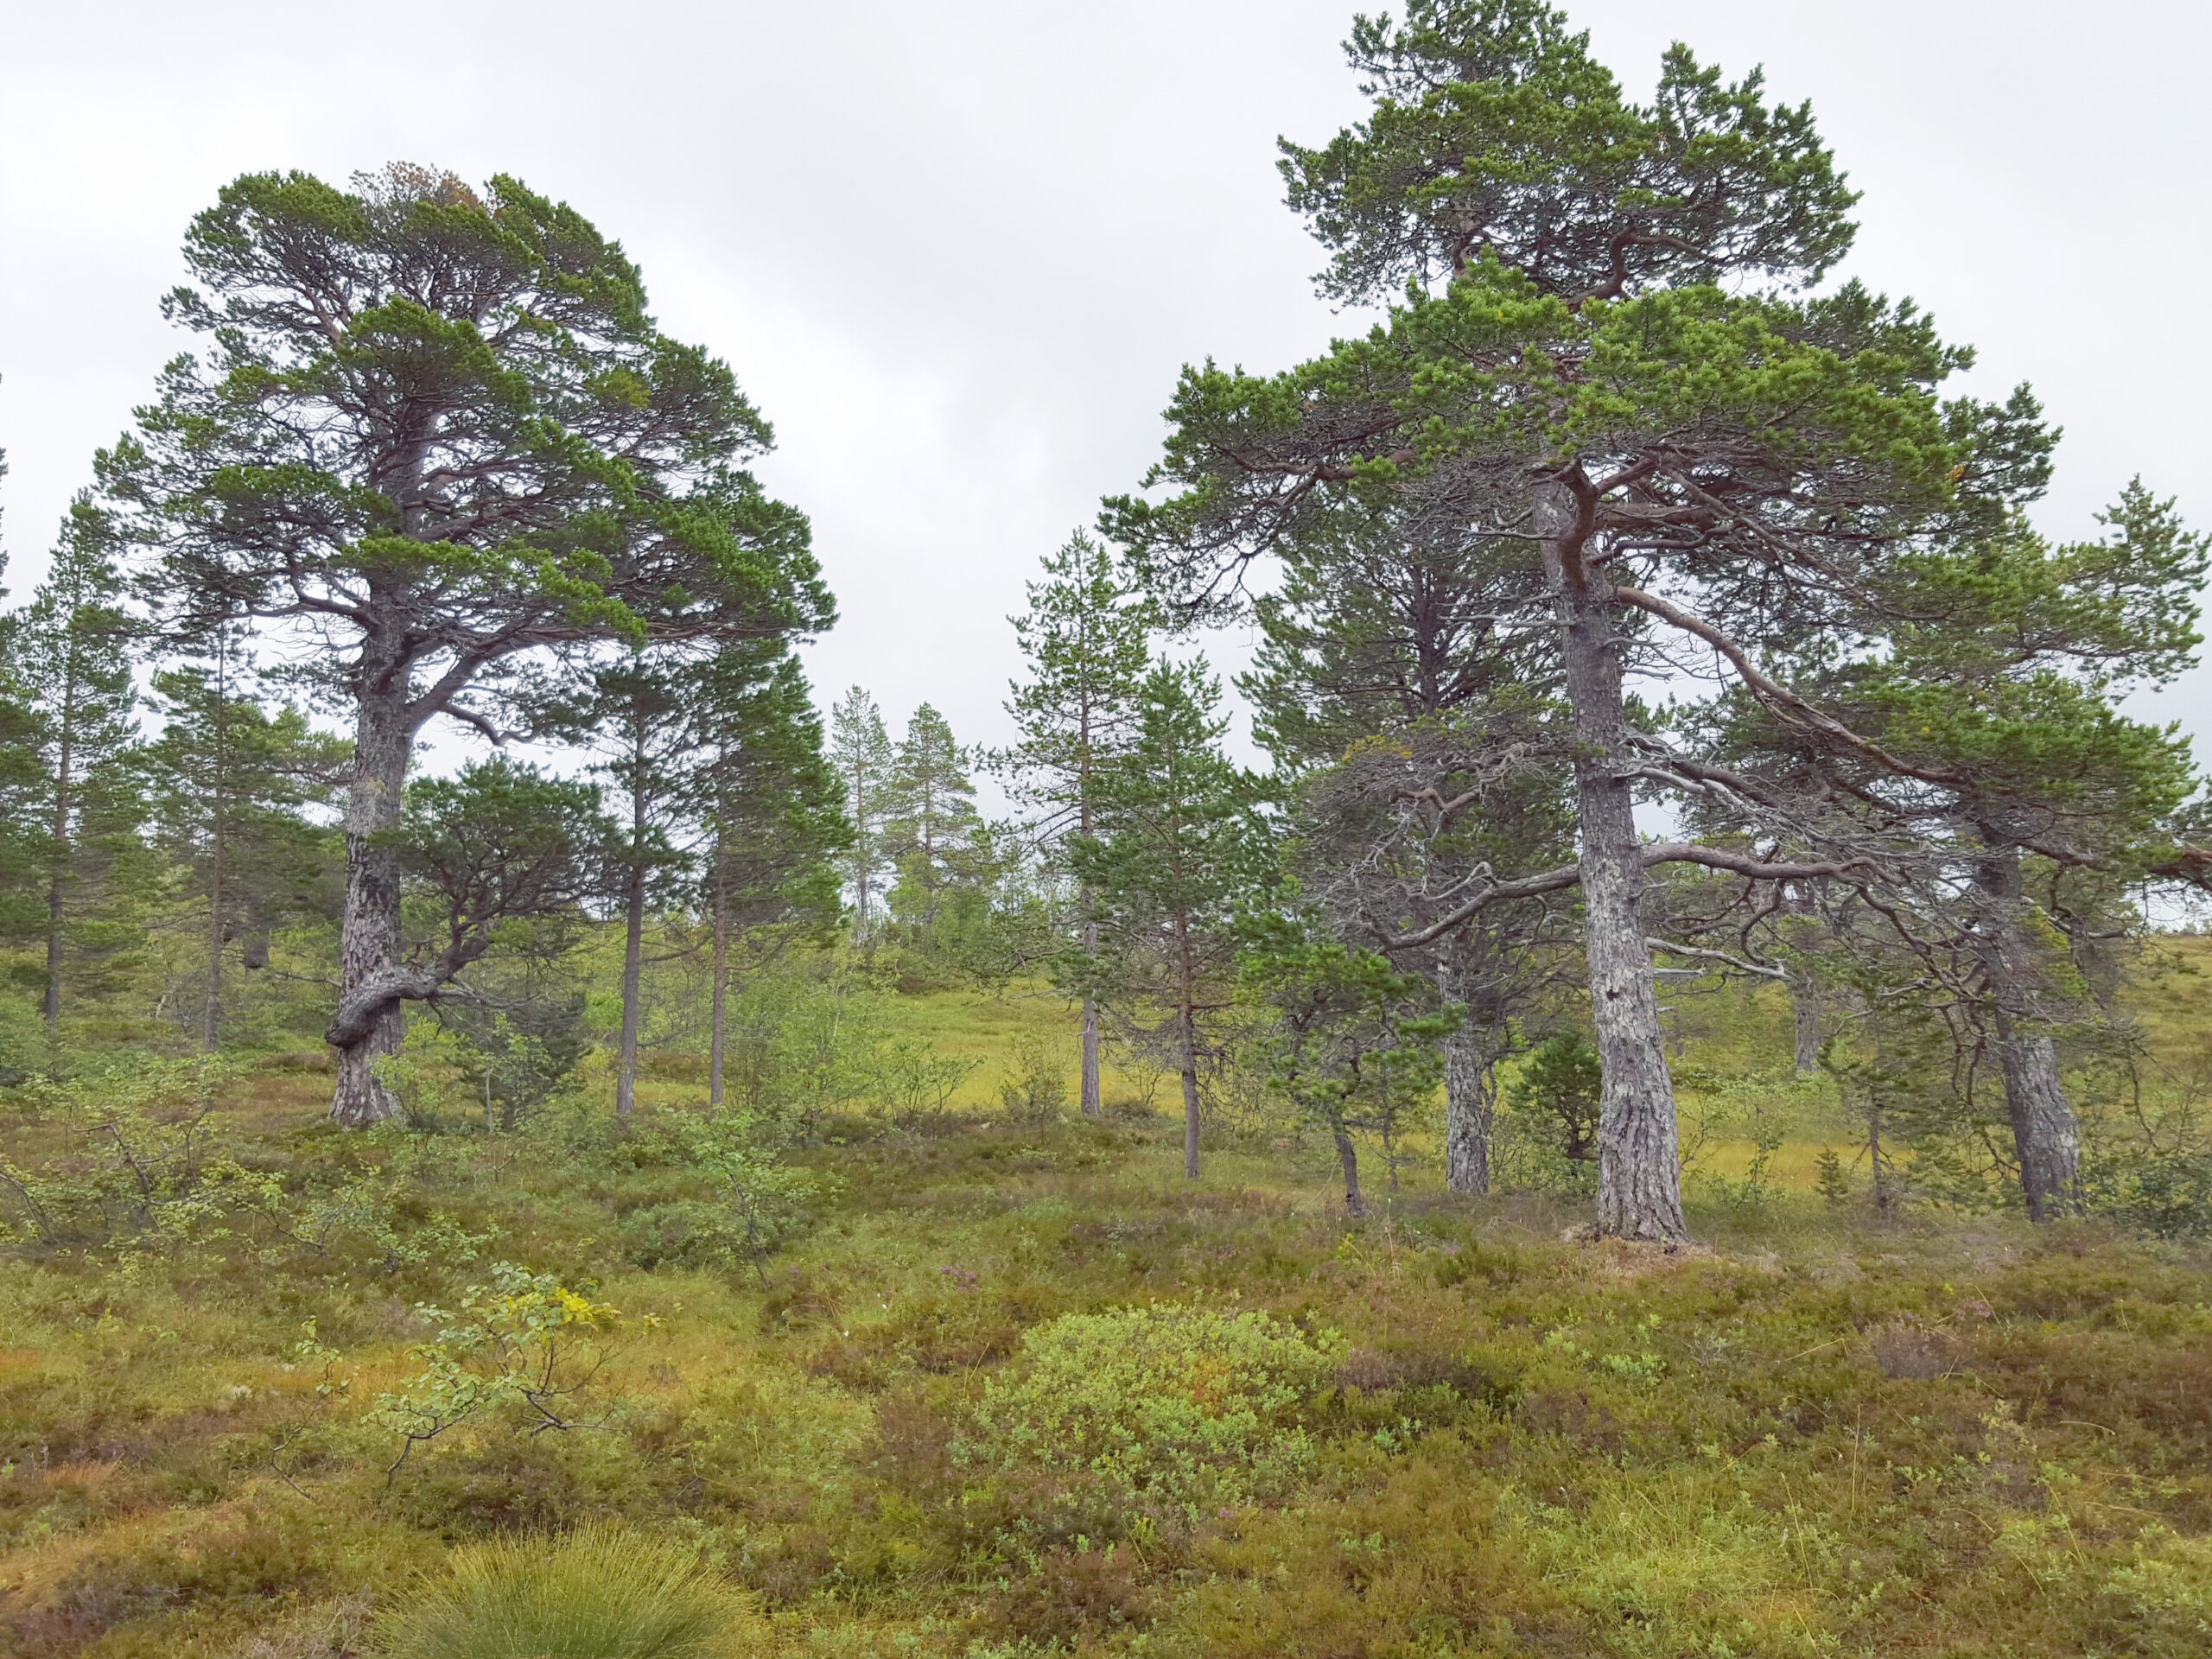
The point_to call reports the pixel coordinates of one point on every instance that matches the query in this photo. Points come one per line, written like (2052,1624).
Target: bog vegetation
(686,1182)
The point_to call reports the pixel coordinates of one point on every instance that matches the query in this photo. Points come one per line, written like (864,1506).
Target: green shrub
(596,1594)
(1176,1408)
(2167,1197)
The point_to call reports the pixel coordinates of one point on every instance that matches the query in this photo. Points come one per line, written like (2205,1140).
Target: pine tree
(933,835)
(73,659)
(1383,671)
(773,812)
(637,716)
(227,781)
(1087,637)
(437,432)
(1595,355)
(861,750)
(1176,846)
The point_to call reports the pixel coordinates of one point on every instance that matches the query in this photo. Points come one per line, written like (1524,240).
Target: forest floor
(1816,1432)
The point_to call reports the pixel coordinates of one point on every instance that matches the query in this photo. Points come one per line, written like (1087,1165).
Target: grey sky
(957,251)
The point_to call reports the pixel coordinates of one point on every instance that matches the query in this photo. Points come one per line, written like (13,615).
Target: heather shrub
(1174,1408)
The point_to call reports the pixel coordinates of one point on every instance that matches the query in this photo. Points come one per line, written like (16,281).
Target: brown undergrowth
(1816,1434)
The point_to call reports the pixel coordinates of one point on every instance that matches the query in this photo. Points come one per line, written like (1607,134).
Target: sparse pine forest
(1670,1114)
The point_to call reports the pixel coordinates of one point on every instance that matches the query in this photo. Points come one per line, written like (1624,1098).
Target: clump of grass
(598,1593)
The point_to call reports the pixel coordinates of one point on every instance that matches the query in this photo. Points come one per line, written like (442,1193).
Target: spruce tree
(1087,638)
(437,436)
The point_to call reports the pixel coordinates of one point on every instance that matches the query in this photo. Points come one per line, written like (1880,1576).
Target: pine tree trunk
(1189,1034)
(1092,1105)
(211,1024)
(2045,1136)
(633,939)
(368,929)
(1805,1011)
(718,1012)
(1091,1100)
(1470,1077)
(64,799)
(1639,1173)
(1348,1160)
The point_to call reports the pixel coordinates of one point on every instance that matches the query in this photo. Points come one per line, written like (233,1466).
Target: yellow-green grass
(1814,1434)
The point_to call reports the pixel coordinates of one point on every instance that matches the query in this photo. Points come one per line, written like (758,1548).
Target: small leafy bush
(525,1342)
(596,1594)
(1174,1408)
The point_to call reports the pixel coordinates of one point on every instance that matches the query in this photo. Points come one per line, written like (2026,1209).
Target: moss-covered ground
(1815,1432)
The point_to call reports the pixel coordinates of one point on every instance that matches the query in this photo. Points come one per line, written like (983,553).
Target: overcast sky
(958,252)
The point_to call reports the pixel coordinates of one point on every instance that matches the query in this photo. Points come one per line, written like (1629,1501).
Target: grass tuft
(597,1594)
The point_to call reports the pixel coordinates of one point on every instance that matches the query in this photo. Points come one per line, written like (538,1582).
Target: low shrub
(595,1595)
(1178,1409)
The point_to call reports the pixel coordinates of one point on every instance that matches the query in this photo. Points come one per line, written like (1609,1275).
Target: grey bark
(2046,1138)
(1091,1106)
(1805,1014)
(633,935)
(1190,1069)
(1639,1172)
(718,1011)
(211,1025)
(1347,1161)
(1470,1096)
(368,931)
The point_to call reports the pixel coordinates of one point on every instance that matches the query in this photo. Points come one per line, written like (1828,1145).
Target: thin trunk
(64,797)
(1470,1094)
(1348,1157)
(1189,1021)
(1805,1009)
(1639,1172)
(633,940)
(211,1021)
(2045,1136)
(863,849)
(368,932)
(211,1026)
(718,1014)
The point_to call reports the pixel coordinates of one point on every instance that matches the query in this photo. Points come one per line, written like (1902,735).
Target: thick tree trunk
(1091,1106)
(1639,1172)
(368,929)
(1190,1100)
(718,1012)
(1347,1161)
(633,939)
(1470,1078)
(1805,1012)
(2046,1138)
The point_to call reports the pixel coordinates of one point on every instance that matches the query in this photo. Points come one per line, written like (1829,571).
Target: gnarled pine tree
(436,434)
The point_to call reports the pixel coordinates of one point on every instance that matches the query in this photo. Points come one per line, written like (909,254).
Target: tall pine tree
(436,432)
(1175,847)
(1087,639)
